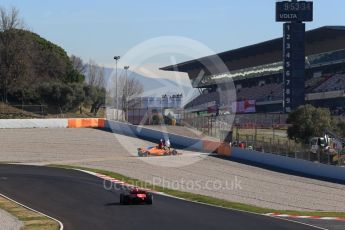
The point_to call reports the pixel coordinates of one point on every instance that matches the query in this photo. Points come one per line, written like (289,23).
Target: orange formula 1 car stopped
(156,151)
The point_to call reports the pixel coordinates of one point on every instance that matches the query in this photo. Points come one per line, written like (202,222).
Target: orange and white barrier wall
(86,123)
(187,142)
(220,148)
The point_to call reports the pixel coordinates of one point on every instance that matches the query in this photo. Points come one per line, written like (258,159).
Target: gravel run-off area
(192,171)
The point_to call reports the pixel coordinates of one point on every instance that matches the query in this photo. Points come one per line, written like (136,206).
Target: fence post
(279,147)
(271,145)
(209,126)
(237,134)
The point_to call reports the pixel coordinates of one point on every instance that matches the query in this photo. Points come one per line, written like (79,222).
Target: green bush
(29,61)
(307,122)
(66,97)
(94,97)
(156,119)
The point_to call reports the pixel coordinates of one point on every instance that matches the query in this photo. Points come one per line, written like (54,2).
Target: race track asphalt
(80,201)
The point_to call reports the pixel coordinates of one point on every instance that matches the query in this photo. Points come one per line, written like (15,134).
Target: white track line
(6,197)
(305,217)
(101,176)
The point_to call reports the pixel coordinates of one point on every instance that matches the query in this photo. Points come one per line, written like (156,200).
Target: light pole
(117,58)
(126,101)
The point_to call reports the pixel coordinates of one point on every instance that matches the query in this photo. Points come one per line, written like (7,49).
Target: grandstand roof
(320,40)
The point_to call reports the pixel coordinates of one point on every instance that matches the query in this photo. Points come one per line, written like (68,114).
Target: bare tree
(78,64)
(95,74)
(100,81)
(130,89)
(91,72)
(10,20)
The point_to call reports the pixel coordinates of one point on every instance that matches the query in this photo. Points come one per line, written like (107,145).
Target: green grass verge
(31,220)
(202,198)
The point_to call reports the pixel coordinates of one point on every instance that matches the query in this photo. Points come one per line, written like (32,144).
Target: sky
(99,30)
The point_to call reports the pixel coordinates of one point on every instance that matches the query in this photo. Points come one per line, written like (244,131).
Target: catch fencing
(261,132)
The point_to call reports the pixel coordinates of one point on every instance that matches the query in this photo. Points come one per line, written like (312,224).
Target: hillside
(35,71)
(8,112)
(18,112)
(28,60)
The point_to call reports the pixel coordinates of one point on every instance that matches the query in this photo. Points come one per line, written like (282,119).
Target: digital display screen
(294,11)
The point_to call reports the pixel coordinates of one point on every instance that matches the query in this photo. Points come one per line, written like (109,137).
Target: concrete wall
(33,123)
(292,164)
(154,135)
(52,123)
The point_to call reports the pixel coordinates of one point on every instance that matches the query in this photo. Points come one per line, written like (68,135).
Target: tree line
(308,121)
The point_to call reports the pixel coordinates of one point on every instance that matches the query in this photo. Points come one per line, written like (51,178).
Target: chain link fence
(13,111)
(289,148)
(22,111)
(261,132)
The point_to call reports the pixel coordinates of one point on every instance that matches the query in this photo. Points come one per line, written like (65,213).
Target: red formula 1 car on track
(156,151)
(136,196)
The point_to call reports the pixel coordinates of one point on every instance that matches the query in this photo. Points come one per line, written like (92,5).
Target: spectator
(241,145)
